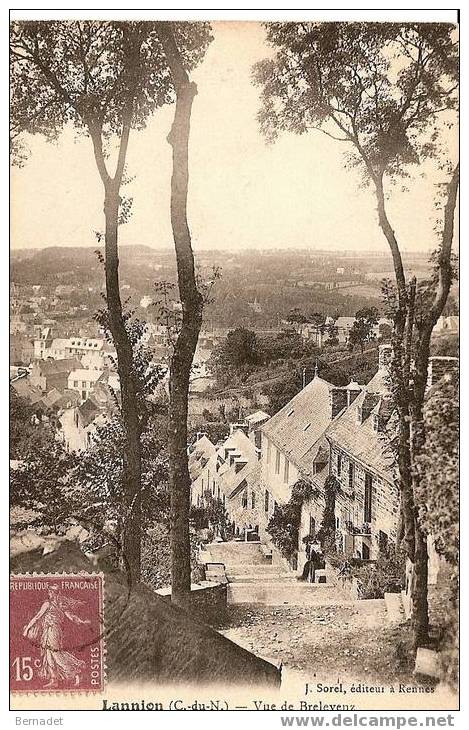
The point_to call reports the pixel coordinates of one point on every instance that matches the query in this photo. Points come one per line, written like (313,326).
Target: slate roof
(296,428)
(360,440)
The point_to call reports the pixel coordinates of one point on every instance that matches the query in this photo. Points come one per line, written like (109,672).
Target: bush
(386,575)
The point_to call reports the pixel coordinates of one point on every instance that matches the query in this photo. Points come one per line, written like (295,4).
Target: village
(234,363)
(275,477)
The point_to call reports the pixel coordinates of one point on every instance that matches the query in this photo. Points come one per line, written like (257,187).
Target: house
(80,421)
(64,290)
(48,374)
(84,381)
(362,463)
(255,422)
(228,474)
(293,443)
(447,326)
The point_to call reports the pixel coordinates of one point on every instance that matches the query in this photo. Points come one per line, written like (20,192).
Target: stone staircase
(254,577)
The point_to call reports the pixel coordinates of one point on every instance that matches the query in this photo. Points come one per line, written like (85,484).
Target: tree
(105,78)
(380,89)
(192,303)
(28,434)
(362,330)
(239,349)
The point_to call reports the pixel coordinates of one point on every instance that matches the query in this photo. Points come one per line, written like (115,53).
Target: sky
(243,194)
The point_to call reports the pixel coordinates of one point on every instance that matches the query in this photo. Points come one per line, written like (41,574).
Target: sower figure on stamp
(46,629)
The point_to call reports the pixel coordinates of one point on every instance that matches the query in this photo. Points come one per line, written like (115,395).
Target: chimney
(338,400)
(440,367)
(384,357)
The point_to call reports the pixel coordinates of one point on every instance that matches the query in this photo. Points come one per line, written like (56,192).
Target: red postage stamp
(56,633)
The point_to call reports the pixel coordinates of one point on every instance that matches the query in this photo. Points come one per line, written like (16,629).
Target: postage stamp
(57,633)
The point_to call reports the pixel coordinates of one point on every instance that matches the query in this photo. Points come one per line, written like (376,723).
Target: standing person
(315,558)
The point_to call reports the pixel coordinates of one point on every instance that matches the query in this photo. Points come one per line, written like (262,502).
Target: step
(256,569)
(281,578)
(394,608)
(283,593)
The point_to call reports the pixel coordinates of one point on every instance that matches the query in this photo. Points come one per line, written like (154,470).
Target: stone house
(293,447)
(362,462)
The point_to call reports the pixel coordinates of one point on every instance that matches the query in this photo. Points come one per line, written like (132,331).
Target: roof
(24,389)
(201,451)
(253,476)
(296,428)
(257,417)
(88,411)
(360,440)
(51,367)
(149,639)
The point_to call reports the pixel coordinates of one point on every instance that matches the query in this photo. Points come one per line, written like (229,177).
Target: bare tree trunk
(131,538)
(186,343)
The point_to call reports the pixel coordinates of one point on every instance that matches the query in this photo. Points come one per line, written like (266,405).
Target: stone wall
(207,602)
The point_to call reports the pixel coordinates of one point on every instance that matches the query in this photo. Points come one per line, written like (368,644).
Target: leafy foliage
(378,86)
(82,72)
(438,466)
(326,532)
(387,574)
(29,434)
(362,331)
(285,522)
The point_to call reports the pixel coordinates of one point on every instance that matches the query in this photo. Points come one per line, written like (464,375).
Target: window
(286,470)
(339,464)
(277,462)
(351,475)
(368,497)
(83,383)
(266,501)
(245,499)
(269,447)
(75,383)
(312,526)
(253,500)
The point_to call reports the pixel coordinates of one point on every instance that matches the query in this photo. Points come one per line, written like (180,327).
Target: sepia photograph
(234,362)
